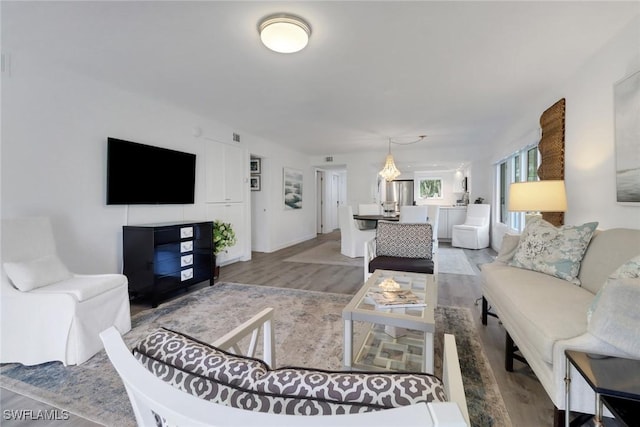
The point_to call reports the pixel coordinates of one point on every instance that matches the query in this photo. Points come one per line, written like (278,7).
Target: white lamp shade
(538,196)
(284,33)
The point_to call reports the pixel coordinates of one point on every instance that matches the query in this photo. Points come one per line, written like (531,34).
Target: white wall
(589,134)
(55,126)
(283,227)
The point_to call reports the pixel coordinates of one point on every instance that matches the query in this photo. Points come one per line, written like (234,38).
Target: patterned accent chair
(173,379)
(400,247)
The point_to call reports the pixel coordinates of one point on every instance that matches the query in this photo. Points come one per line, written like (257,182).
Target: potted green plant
(223,238)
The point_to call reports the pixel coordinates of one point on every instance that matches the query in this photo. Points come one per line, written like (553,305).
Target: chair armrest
(369,254)
(262,320)
(452,376)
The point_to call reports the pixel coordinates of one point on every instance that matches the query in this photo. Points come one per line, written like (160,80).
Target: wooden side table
(615,380)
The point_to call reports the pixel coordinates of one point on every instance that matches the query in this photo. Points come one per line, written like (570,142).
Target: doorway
(331,185)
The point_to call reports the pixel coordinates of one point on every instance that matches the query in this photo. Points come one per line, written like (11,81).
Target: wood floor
(525,399)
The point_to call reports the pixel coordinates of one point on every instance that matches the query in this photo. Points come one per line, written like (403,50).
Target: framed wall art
(292,188)
(431,188)
(627,139)
(254,166)
(255,182)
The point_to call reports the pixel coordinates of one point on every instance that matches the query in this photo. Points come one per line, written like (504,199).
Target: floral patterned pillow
(556,251)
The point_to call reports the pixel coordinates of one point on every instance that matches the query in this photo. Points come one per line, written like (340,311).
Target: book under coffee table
(398,339)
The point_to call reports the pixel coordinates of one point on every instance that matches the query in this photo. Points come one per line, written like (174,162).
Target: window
(431,188)
(511,170)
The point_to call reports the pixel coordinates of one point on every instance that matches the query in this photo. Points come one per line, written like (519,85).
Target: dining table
(370,222)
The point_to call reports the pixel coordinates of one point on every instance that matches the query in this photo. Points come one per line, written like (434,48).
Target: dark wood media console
(161,258)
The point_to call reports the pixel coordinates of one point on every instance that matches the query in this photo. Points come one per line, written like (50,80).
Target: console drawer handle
(186,246)
(186,274)
(186,232)
(186,260)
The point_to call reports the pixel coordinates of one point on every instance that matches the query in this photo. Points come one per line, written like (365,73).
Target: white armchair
(48,313)
(352,238)
(474,233)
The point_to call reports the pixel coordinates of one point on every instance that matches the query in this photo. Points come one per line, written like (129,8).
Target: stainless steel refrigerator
(400,192)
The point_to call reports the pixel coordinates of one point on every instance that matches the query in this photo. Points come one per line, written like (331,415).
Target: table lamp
(537,196)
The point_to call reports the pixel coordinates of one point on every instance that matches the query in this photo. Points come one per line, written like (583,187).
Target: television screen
(139,174)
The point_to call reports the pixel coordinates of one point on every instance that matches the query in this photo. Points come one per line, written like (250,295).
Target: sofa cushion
(608,250)
(554,251)
(414,265)
(221,377)
(537,307)
(32,274)
(405,240)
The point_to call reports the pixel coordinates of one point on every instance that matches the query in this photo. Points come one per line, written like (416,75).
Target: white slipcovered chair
(151,396)
(414,214)
(48,313)
(474,233)
(433,218)
(352,239)
(368,209)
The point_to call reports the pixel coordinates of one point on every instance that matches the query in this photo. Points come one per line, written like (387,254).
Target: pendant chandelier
(389,172)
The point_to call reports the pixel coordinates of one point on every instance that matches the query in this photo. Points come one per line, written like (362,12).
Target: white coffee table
(398,339)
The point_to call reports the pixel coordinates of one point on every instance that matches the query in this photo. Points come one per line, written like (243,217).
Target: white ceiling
(456,71)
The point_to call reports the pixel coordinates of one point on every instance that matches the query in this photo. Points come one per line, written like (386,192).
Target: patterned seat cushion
(405,240)
(242,382)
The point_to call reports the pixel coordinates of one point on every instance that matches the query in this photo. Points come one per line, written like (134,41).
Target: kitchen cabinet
(450,216)
(224,173)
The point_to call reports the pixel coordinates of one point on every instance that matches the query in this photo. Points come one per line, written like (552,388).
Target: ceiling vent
(236,137)
(328,159)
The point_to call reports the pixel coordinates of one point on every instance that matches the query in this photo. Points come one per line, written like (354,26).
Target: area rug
(454,261)
(326,253)
(308,329)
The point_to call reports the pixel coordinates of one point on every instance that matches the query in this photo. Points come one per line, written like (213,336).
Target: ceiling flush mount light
(284,33)
(390,172)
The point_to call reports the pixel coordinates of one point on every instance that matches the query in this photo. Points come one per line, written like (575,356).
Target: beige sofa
(544,315)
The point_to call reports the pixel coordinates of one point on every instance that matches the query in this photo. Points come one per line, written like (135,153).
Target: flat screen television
(139,174)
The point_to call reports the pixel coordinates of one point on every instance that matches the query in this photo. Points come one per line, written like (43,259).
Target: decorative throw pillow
(508,247)
(556,251)
(628,270)
(616,316)
(36,273)
(404,240)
